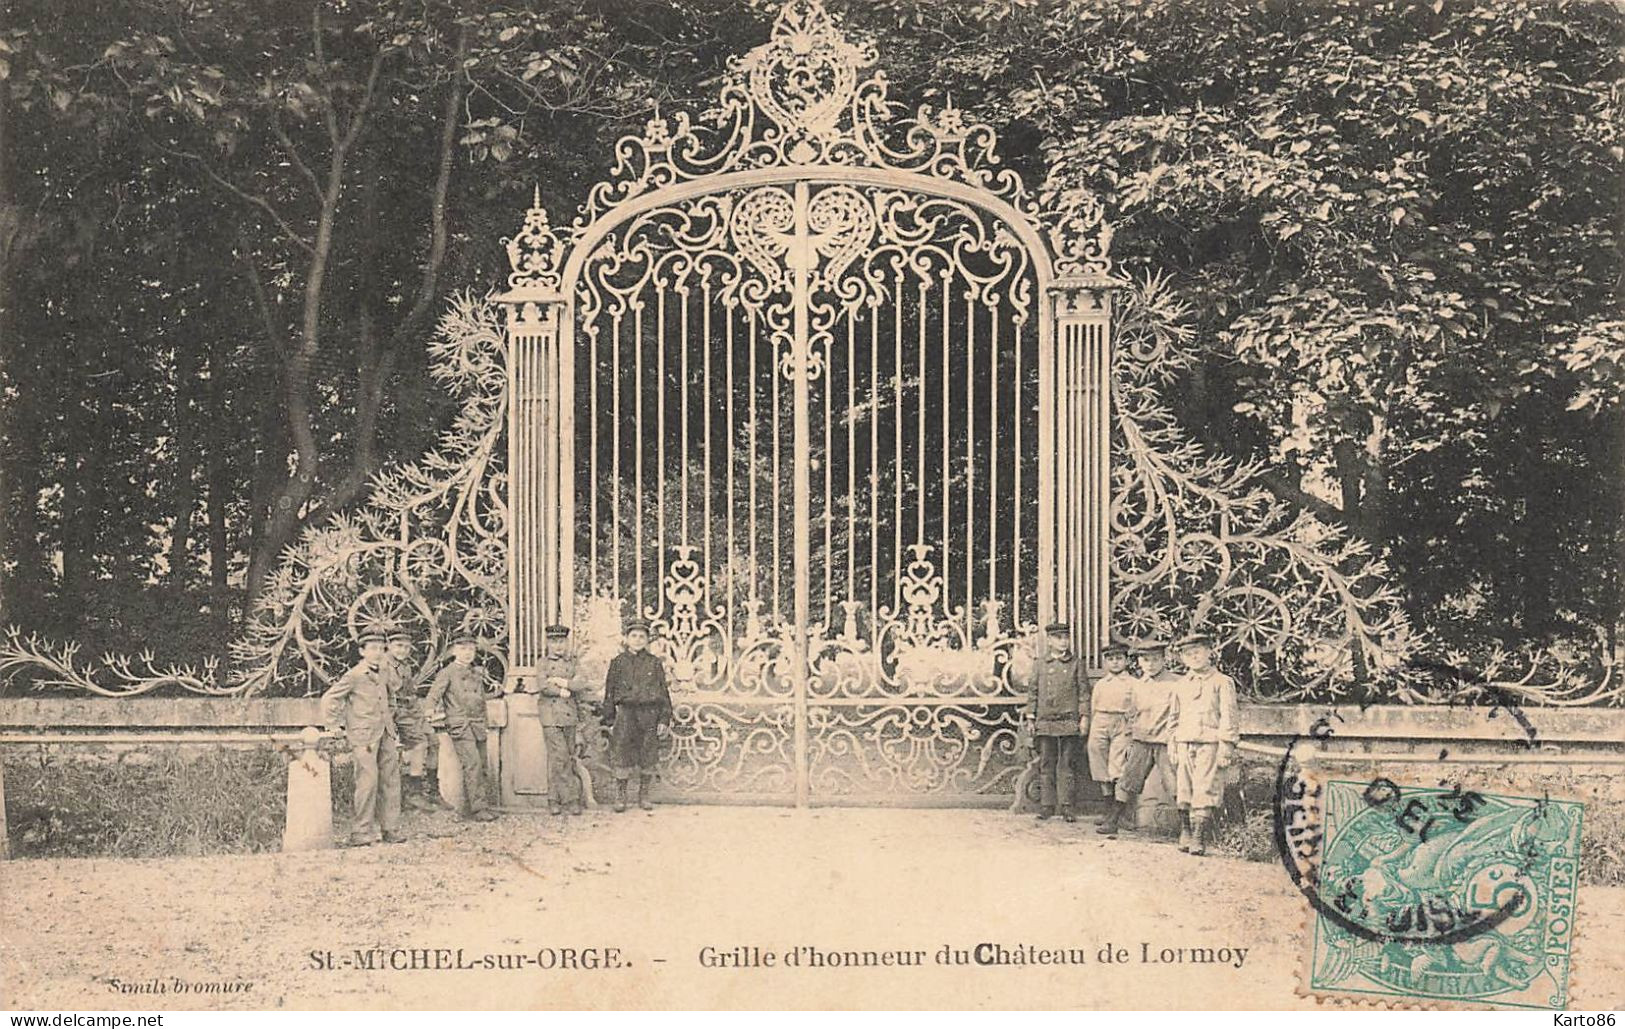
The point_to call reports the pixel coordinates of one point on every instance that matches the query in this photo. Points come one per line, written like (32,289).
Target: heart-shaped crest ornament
(805,77)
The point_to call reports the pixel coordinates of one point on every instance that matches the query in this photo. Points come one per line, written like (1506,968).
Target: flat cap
(557,632)
(635,625)
(1058,627)
(1113,648)
(400,635)
(464,637)
(372,636)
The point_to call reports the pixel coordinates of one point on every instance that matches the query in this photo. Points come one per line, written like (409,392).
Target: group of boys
(390,730)
(1180,726)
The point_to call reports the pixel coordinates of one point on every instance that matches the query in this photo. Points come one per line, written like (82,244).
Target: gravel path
(659,889)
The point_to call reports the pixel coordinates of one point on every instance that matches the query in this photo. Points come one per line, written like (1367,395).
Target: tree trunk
(219,486)
(10,237)
(288,508)
(188,366)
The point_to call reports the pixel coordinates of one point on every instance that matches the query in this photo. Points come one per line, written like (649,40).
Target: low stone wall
(1578,751)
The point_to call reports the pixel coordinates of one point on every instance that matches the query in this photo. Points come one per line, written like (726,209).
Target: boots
(1108,791)
(645,787)
(620,795)
(1199,820)
(554,807)
(1184,830)
(1112,818)
(414,794)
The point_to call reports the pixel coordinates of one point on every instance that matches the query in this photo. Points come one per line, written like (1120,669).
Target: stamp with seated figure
(1443,895)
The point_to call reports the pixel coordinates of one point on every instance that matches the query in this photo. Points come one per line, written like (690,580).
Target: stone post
(309,823)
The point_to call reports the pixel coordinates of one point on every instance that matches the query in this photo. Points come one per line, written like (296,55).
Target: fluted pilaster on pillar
(1079,579)
(538,473)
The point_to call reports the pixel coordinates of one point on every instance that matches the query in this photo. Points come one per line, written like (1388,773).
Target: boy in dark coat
(1056,711)
(637,707)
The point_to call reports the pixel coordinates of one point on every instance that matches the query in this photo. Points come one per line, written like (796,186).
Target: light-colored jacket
(360,701)
(1111,693)
(1150,709)
(1205,709)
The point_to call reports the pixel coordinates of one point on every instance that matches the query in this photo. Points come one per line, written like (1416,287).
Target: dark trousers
(1057,757)
(634,741)
(563,787)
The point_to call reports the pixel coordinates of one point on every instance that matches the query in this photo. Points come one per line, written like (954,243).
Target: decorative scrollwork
(535,253)
(806,97)
(428,552)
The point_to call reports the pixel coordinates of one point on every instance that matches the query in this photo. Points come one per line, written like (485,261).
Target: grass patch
(149,802)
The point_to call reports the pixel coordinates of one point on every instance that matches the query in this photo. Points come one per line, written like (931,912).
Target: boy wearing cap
(1150,716)
(1108,727)
(1055,711)
(358,706)
(559,712)
(458,694)
(1205,734)
(637,707)
(410,723)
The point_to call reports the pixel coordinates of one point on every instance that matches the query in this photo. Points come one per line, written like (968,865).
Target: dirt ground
(660,889)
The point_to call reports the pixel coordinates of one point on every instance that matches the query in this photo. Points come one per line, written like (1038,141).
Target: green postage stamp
(1444,895)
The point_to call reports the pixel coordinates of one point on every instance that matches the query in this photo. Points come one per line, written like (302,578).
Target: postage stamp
(1443,894)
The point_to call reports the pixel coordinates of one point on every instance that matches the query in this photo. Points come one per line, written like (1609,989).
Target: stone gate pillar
(1078,588)
(541,490)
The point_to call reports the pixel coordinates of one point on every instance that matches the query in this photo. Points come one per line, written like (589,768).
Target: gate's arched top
(808,98)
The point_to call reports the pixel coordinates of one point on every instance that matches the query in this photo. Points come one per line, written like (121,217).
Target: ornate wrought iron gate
(803,389)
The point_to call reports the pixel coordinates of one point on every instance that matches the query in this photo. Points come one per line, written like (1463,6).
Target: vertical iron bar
(993,462)
(638,429)
(897,442)
(709,417)
(751,471)
(942,420)
(592,459)
(615,452)
(970,467)
(728,454)
(662,430)
(851,456)
(802,487)
(682,456)
(919,456)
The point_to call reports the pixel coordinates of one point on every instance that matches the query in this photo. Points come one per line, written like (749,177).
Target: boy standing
(637,707)
(1055,710)
(1150,717)
(1108,726)
(560,713)
(1204,739)
(358,707)
(410,723)
(458,694)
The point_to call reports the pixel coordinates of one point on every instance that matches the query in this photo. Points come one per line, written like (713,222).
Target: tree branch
(236,190)
(278,341)
(293,155)
(1292,493)
(428,288)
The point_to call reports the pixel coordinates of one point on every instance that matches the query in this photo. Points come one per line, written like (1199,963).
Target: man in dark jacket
(1056,710)
(637,707)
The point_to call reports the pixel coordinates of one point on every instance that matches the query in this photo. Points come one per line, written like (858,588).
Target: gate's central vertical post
(801,257)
